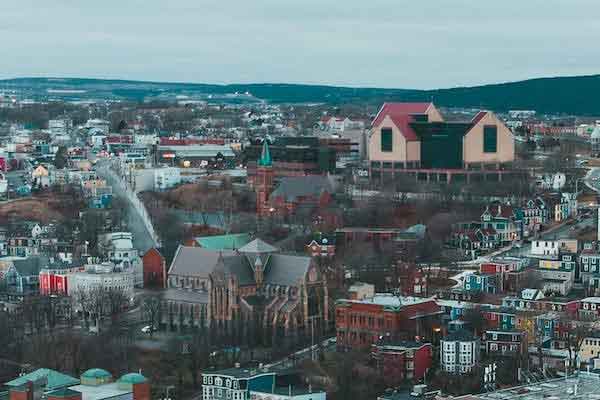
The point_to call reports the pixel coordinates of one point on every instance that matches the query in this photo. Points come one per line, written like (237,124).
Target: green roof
(224,242)
(265,156)
(97,373)
(133,378)
(64,392)
(56,380)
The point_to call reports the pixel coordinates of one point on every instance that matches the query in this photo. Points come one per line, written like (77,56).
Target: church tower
(264,180)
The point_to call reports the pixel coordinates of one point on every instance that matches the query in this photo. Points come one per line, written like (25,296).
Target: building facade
(413,138)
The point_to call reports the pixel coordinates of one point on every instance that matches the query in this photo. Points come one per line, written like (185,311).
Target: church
(310,192)
(281,294)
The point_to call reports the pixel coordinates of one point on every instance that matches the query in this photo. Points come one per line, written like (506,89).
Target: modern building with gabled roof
(413,138)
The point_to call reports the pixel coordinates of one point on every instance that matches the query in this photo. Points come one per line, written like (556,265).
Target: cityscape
(169,234)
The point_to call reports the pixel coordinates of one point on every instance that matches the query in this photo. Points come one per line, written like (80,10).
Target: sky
(360,43)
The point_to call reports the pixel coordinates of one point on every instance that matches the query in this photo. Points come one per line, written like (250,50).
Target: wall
(398,152)
(473,143)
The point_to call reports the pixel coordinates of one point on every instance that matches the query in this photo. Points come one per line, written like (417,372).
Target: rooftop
(582,386)
(56,380)
(241,372)
(100,392)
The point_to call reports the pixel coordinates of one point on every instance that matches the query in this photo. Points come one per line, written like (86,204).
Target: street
(142,239)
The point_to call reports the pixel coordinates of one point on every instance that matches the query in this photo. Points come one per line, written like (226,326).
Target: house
(414,138)
(155,269)
(589,269)
(512,272)
(557,275)
(499,342)
(41,176)
(257,383)
(401,361)
(412,280)
(478,282)
(460,352)
(322,246)
(505,220)
(535,216)
(589,349)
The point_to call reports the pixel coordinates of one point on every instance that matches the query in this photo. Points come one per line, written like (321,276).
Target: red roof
(401,115)
(417,309)
(478,117)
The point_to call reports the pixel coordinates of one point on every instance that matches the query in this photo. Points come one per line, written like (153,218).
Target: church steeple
(265,156)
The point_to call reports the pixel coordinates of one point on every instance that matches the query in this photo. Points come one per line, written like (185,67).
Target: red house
(155,270)
(402,361)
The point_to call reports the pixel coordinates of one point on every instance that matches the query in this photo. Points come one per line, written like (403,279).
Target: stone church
(253,285)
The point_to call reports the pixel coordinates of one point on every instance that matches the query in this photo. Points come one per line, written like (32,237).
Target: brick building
(401,361)
(363,321)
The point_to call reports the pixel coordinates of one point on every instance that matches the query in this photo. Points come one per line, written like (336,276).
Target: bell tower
(264,180)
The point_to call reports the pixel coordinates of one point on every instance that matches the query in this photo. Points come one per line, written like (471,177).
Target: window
(386,139)
(490,139)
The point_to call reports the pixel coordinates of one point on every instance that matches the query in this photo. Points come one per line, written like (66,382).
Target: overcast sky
(382,43)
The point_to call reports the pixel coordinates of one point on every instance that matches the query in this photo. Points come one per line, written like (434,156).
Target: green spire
(265,155)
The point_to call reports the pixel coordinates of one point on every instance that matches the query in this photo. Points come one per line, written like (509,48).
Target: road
(563,232)
(592,179)
(142,239)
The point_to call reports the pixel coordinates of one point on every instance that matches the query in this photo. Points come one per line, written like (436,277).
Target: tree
(61,158)
(475,318)
(151,307)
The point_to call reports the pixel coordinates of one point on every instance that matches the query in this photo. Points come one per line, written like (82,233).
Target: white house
(460,352)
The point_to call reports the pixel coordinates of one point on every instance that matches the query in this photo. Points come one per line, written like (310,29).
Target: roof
(401,115)
(185,296)
(460,335)
(195,261)
(398,109)
(96,373)
(56,380)
(239,267)
(286,270)
(241,372)
(258,246)
(30,266)
(133,378)
(224,242)
(293,187)
(478,117)
(64,392)
(101,392)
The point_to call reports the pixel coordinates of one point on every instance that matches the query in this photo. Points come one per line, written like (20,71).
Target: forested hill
(573,95)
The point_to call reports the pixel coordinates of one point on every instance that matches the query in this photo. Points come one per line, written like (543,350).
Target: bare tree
(152,307)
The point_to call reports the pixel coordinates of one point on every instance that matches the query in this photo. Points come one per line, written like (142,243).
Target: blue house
(478,282)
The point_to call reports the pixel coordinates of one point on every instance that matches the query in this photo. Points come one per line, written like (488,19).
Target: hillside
(571,95)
